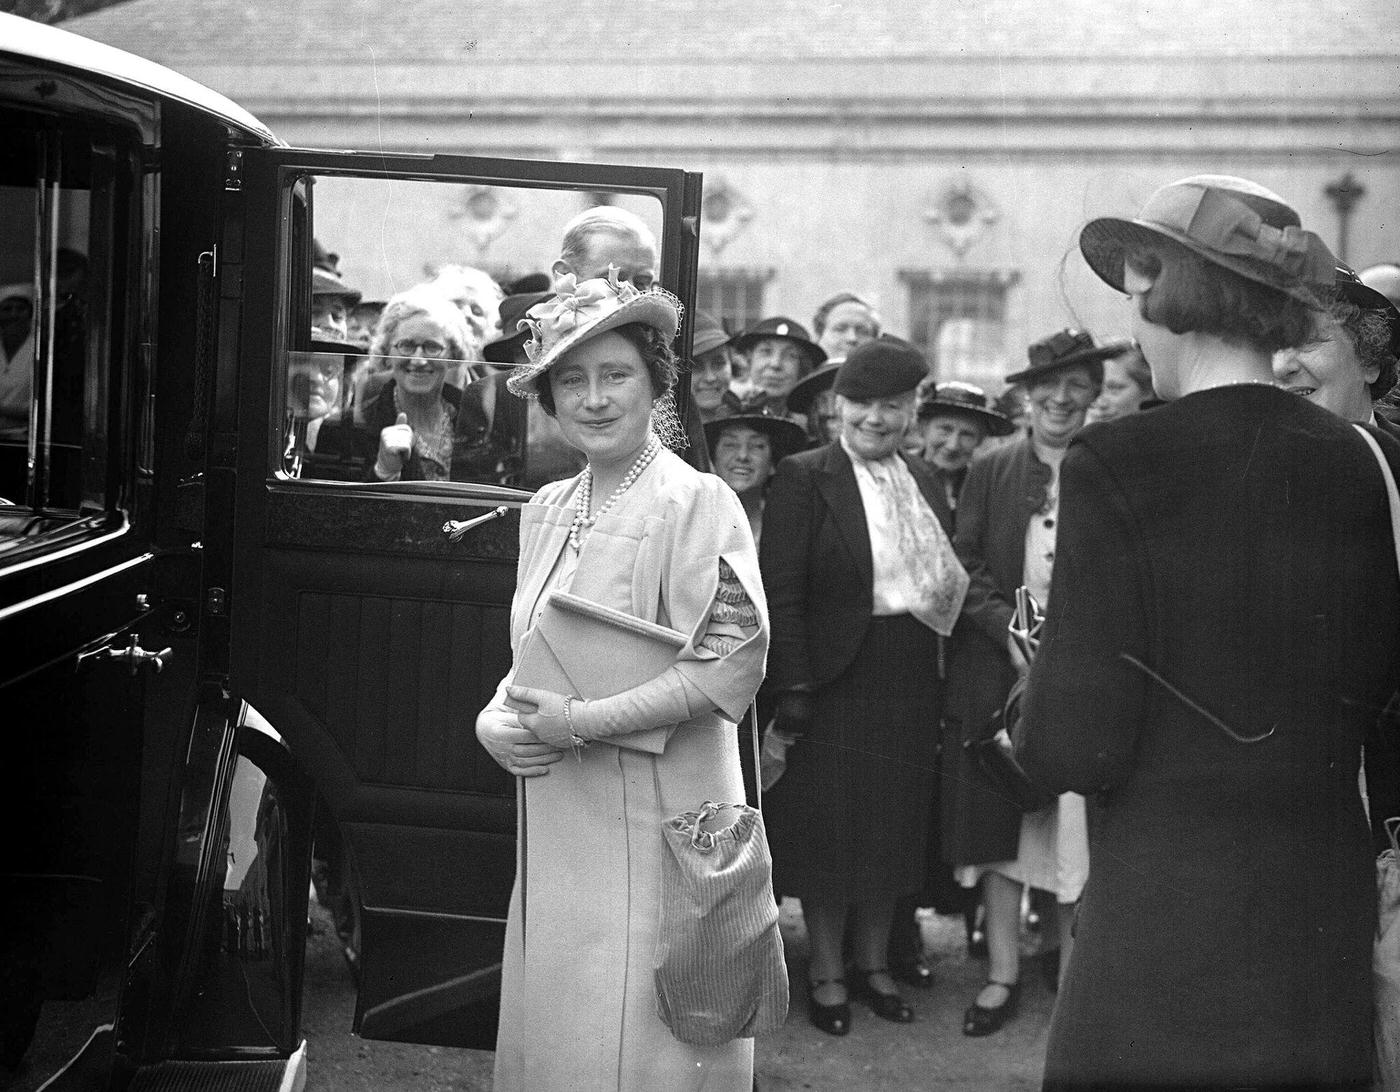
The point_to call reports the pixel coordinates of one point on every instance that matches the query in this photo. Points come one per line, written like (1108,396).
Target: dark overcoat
(1237,543)
(852,815)
(1004,488)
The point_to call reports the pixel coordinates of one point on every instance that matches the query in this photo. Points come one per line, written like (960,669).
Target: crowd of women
(1215,559)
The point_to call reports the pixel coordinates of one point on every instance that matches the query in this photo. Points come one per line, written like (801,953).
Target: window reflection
(59,211)
(417,289)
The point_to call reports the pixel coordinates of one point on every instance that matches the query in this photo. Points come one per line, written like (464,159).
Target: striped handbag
(718,964)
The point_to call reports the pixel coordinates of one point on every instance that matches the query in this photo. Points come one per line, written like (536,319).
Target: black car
(229,652)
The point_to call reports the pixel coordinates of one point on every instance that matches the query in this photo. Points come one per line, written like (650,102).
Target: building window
(734,296)
(957,318)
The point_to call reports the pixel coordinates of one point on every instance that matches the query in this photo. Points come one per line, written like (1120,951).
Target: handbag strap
(1392,495)
(757,778)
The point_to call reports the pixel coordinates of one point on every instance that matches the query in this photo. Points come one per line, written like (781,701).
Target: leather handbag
(718,965)
(995,756)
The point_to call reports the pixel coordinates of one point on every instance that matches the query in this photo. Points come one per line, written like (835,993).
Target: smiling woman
(1349,359)
(864,586)
(1006,536)
(641,532)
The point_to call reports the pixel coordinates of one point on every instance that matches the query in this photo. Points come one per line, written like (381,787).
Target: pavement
(931,1053)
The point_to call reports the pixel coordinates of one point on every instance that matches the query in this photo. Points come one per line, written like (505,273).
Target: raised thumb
(403,419)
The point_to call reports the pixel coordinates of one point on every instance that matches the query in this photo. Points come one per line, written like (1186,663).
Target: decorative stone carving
(724,214)
(485,214)
(961,214)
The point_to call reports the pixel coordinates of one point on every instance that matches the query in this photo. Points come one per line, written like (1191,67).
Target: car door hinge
(233,169)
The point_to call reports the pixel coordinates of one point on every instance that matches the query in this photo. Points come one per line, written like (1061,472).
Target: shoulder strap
(757,757)
(1392,496)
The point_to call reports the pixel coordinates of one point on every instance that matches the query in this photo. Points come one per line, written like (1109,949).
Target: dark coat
(1004,488)
(853,815)
(817,568)
(1237,542)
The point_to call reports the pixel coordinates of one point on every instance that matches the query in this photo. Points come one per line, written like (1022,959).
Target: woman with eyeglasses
(413,417)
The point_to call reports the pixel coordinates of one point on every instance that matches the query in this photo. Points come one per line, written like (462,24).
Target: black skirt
(850,817)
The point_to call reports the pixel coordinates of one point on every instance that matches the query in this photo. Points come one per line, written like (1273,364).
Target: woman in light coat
(642,532)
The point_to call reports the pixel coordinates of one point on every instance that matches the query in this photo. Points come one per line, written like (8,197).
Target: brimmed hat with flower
(1231,222)
(577,311)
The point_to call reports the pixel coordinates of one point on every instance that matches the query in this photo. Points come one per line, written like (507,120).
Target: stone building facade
(937,159)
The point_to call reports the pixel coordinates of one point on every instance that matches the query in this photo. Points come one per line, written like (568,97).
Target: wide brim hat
(513,309)
(325,283)
(1351,288)
(785,329)
(967,400)
(576,311)
(1064,349)
(1231,222)
(801,397)
(786,436)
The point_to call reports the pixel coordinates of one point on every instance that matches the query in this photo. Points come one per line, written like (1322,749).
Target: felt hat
(967,400)
(801,397)
(513,331)
(1230,222)
(576,311)
(785,435)
(326,283)
(708,334)
(881,368)
(787,330)
(1060,350)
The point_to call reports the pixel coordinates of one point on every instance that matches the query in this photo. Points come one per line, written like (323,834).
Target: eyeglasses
(410,347)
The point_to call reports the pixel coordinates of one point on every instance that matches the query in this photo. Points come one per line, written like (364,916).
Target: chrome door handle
(133,654)
(454,529)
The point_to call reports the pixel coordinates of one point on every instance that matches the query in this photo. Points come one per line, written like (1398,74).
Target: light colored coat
(578,1005)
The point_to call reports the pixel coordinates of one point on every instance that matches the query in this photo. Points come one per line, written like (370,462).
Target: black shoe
(917,974)
(888,1006)
(832,1019)
(980,1020)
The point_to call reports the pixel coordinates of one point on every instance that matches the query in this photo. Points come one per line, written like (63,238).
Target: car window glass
(58,207)
(398,373)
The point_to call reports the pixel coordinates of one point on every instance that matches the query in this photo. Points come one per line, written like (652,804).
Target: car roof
(26,38)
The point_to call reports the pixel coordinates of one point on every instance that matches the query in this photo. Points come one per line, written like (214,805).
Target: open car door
(365,633)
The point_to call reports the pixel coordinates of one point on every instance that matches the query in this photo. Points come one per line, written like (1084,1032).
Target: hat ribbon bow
(1223,223)
(574,304)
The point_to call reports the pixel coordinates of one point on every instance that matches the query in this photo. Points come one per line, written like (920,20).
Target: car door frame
(290,553)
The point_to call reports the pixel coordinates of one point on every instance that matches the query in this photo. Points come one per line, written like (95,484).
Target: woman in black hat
(1348,362)
(954,419)
(1006,533)
(745,451)
(862,585)
(779,354)
(1224,625)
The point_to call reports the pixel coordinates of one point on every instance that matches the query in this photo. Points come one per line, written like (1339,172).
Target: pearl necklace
(584,500)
